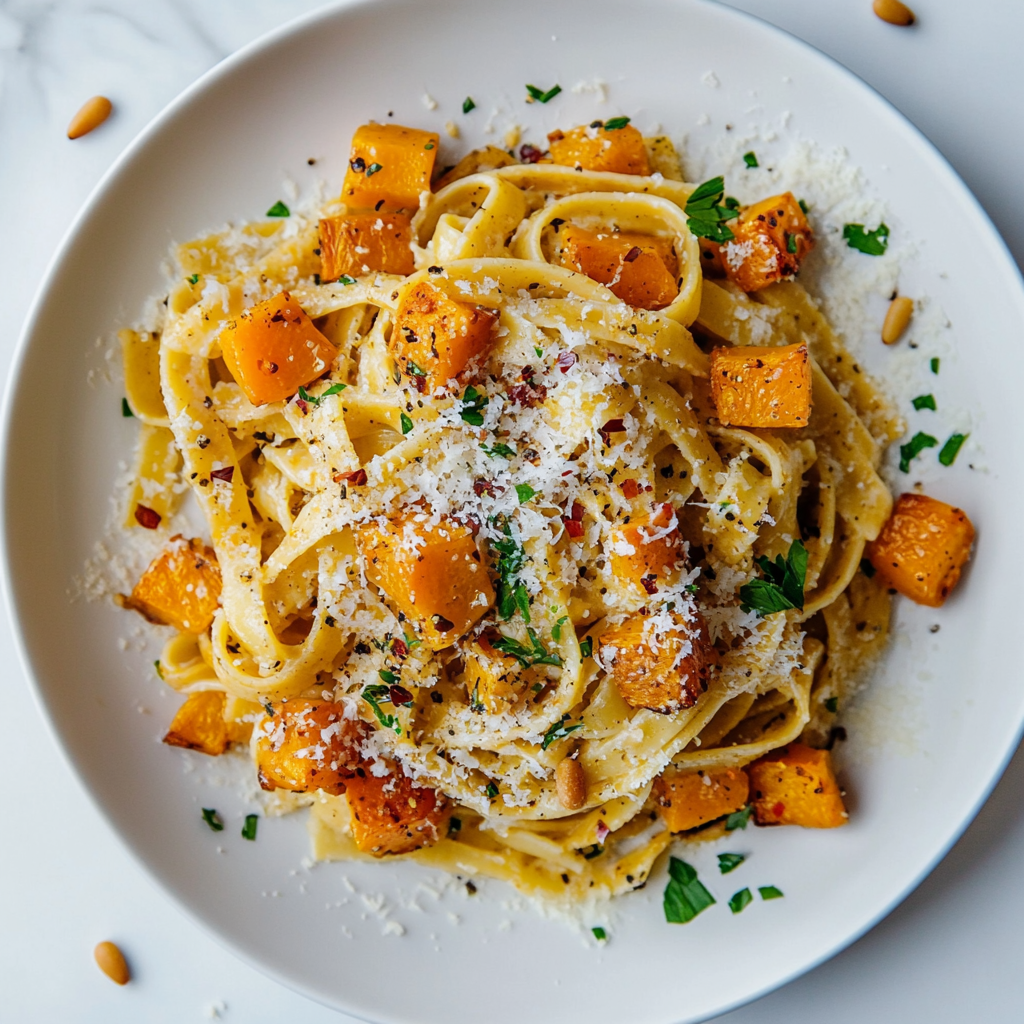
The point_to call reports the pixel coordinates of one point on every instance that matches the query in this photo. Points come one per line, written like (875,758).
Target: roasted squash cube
(273,348)
(361,243)
(772,239)
(199,724)
(795,785)
(389,164)
(922,548)
(646,550)
(639,269)
(762,387)
(690,799)
(391,814)
(180,588)
(494,681)
(596,148)
(431,571)
(660,670)
(306,745)
(434,337)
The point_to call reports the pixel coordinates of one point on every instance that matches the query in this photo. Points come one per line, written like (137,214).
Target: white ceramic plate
(931,736)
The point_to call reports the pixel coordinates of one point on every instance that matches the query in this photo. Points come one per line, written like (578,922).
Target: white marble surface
(949,953)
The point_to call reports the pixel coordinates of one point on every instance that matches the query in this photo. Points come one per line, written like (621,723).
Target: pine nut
(894,12)
(896,319)
(93,113)
(571,784)
(112,963)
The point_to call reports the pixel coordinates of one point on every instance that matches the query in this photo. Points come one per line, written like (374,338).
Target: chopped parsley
(278,210)
(345,279)
(769,892)
(586,647)
(729,862)
(556,629)
(406,423)
(685,896)
(212,818)
(543,97)
(511,592)
(498,448)
(750,159)
(373,169)
(334,389)
(914,447)
(249,828)
(414,370)
(872,243)
(536,654)
(525,493)
(706,215)
(473,405)
(600,934)
(950,450)
(934,363)
(126,409)
(782,585)
(867,568)
(159,669)
(476,705)
(614,123)
(803,205)
(388,677)
(468,105)
(739,819)
(559,731)
(791,243)
(374,695)
(429,145)
(539,351)
(193,279)
(924,402)
(740,901)
(491,790)
(832,705)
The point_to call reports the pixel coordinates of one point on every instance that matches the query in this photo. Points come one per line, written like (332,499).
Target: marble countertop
(950,952)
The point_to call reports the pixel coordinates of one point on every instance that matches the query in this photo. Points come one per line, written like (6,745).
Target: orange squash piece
(664,671)
(432,573)
(391,814)
(361,243)
(690,799)
(199,724)
(305,745)
(273,348)
(180,588)
(922,548)
(434,337)
(772,239)
(389,165)
(639,269)
(762,387)
(646,549)
(596,148)
(795,785)
(494,680)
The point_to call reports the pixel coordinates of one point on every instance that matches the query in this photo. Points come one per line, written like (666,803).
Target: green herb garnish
(729,862)
(614,123)
(739,819)
(406,423)
(429,145)
(543,97)
(345,279)
(782,586)
(706,216)
(873,243)
(473,405)
(334,389)
(536,654)
(769,892)
(586,647)
(476,705)
(524,492)
(376,693)
(950,450)
(740,900)
(159,669)
(373,169)
(934,363)
(468,105)
(414,370)
(539,351)
(556,629)
(600,934)
(193,279)
(212,818)
(249,828)
(278,210)
(832,705)
(559,731)
(387,677)
(498,448)
(685,896)
(914,447)
(750,159)
(491,790)
(924,402)
(803,206)
(511,592)
(126,409)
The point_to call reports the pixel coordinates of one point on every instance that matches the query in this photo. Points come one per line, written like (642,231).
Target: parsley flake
(559,731)
(600,934)
(950,450)
(511,592)
(914,447)
(491,790)
(345,279)
(212,818)
(536,654)
(782,585)
(498,448)
(468,105)
(334,389)
(374,695)
(473,405)
(614,123)
(525,493)
(769,892)
(587,647)
(706,215)
(832,705)
(373,169)
(729,862)
(159,668)
(249,828)
(791,243)
(278,210)
(685,896)
(872,243)
(193,279)
(540,95)
(126,409)
(740,901)
(556,629)
(924,402)
(934,363)
(750,159)
(406,423)
(739,819)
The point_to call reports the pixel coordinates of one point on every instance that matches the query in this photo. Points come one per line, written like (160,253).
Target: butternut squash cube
(762,387)
(639,269)
(432,573)
(645,550)
(391,814)
(180,588)
(494,680)
(795,785)
(389,164)
(305,745)
(361,243)
(273,348)
(772,239)
(434,337)
(199,724)
(596,148)
(660,670)
(922,548)
(690,799)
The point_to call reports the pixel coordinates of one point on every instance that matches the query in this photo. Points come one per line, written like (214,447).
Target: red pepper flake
(566,361)
(529,154)
(528,394)
(147,517)
(472,524)
(266,366)
(355,476)
(577,511)
(399,648)
(399,695)
(303,408)
(649,583)
(632,254)
(630,488)
(611,427)
(603,831)
(777,809)
(441,624)
(224,474)
(482,487)
(573,528)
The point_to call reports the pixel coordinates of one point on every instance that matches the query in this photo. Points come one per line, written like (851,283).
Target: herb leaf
(524,492)
(559,731)
(126,409)
(924,402)
(934,363)
(279,210)
(376,693)
(950,450)
(685,896)
(832,705)
(543,97)
(468,105)
(193,279)
(739,819)
(491,790)
(406,424)
(782,586)
(914,447)
(498,448)
(740,901)
(599,933)
(249,828)
(556,629)
(473,404)
(750,159)
(511,592)
(334,389)
(706,215)
(769,892)
(587,647)
(345,279)
(373,169)
(536,654)
(212,818)
(872,243)
(614,123)
(729,862)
